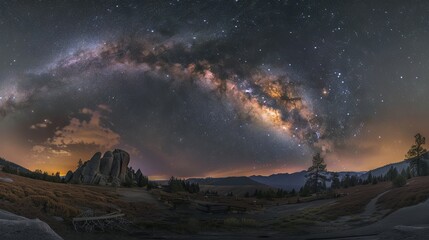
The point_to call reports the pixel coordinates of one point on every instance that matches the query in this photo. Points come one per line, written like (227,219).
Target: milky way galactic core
(229,88)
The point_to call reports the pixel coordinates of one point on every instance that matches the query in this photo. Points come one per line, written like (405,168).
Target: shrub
(399,181)
(179,185)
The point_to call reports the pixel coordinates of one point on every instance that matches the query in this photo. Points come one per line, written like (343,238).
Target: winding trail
(371,207)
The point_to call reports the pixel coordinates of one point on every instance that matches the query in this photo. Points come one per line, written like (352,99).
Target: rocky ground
(14,227)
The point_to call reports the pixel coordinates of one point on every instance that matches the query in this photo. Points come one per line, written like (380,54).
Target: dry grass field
(48,201)
(414,192)
(176,214)
(355,200)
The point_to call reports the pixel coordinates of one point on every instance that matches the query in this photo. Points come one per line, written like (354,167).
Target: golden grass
(356,198)
(415,191)
(39,199)
(354,202)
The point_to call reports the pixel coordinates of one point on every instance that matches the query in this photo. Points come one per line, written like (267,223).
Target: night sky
(213,88)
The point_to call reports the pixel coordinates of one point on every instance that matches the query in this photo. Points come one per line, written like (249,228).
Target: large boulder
(124,160)
(109,169)
(91,169)
(106,163)
(116,168)
(77,175)
(68,176)
(14,227)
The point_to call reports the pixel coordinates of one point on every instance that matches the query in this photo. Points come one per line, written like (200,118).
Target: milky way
(197,89)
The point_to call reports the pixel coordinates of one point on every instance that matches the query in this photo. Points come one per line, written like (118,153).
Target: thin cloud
(86,132)
(44,124)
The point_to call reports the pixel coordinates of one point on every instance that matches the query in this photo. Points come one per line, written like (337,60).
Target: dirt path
(371,207)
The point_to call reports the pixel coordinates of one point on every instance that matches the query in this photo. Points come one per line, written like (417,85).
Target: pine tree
(399,181)
(353,180)
(404,173)
(408,171)
(315,175)
(345,183)
(79,163)
(142,180)
(369,179)
(335,181)
(391,174)
(418,168)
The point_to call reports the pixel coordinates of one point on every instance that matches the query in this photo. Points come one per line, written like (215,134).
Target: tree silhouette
(80,163)
(336,183)
(315,176)
(369,178)
(418,167)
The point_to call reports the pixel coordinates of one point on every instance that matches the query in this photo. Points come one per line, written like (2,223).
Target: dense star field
(199,88)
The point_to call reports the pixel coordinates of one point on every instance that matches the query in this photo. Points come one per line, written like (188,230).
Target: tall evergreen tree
(408,171)
(404,173)
(418,167)
(391,174)
(316,174)
(79,163)
(345,182)
(369,179)
(335,181)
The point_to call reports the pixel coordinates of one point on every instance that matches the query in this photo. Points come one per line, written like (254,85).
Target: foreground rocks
(14,227)
(109,169)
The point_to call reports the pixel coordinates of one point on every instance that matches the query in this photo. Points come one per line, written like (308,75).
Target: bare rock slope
(14,227)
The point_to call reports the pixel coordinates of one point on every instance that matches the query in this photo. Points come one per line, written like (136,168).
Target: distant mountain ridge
(226,181)
(286,181)
(289,181)
(381,171)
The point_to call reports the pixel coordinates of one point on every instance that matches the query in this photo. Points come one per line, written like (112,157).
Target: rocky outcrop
(14,227)
(91,169)
(106,163)
(68,176)
(123,159)
(111,168)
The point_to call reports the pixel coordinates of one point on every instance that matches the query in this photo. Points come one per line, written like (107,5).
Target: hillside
(14,166)
(381,171)
(56,203)
(398,165)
